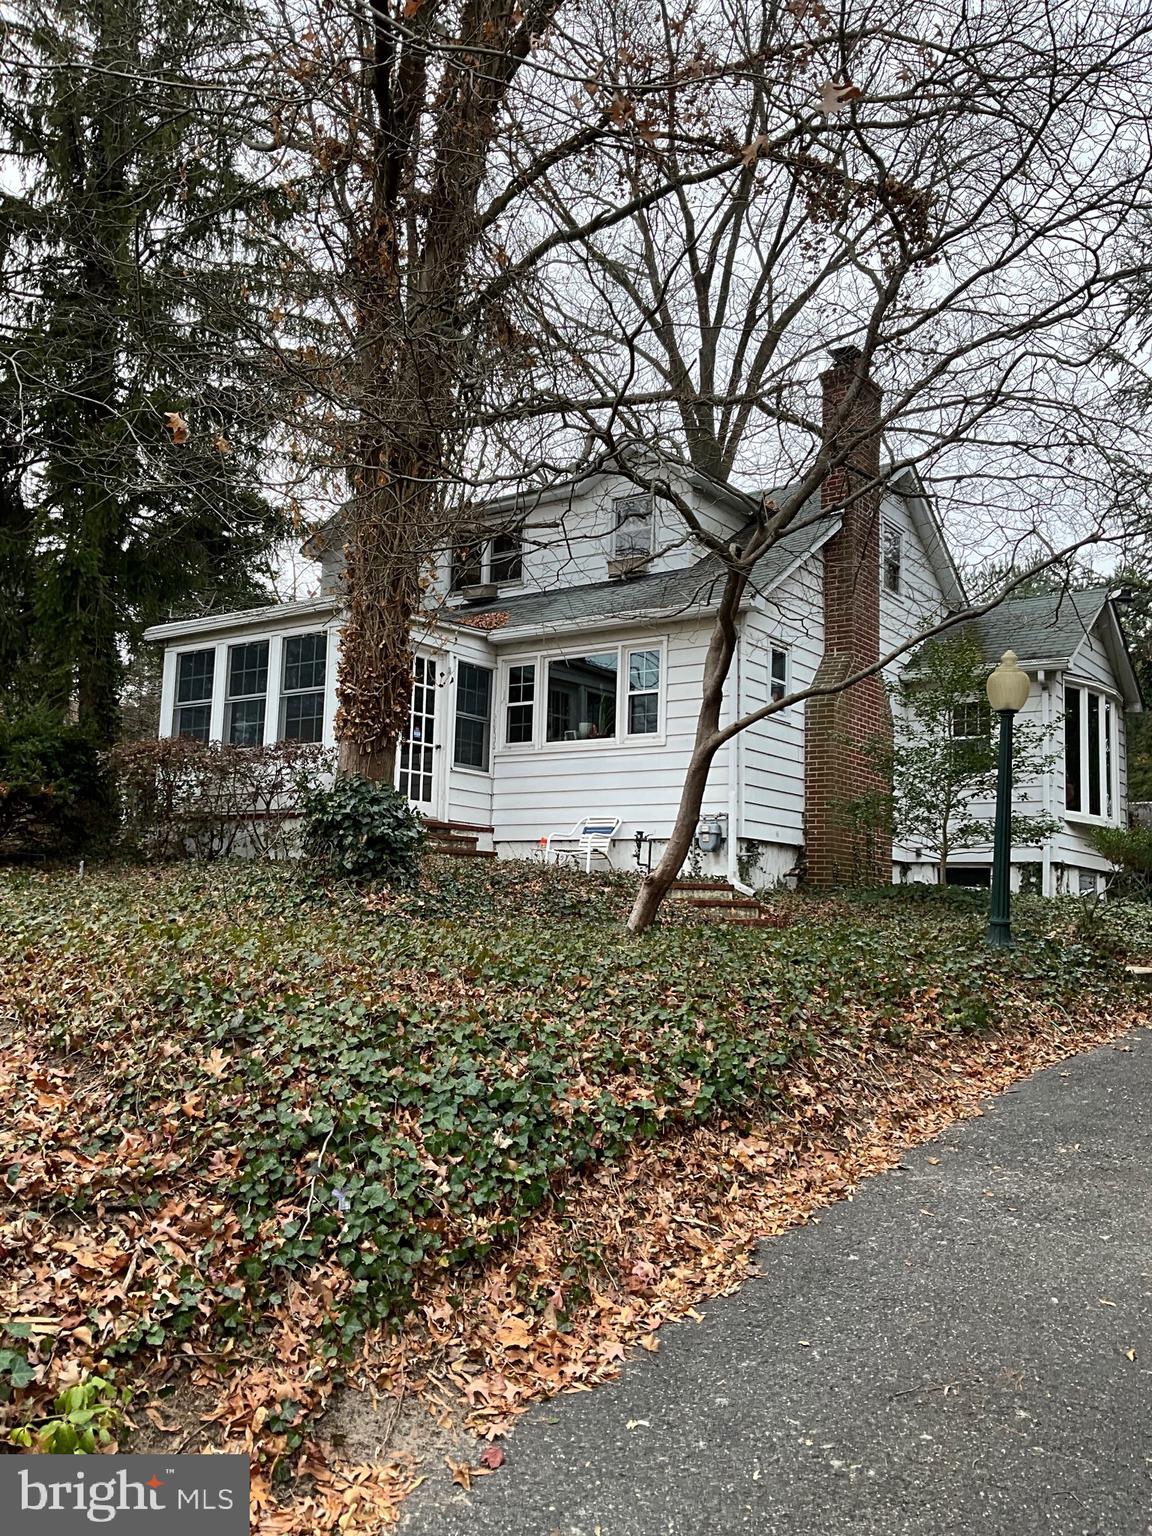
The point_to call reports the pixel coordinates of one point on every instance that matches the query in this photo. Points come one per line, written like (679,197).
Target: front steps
(715,901)
(456,839)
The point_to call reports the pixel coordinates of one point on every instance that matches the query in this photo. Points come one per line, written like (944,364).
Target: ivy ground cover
(254,1129)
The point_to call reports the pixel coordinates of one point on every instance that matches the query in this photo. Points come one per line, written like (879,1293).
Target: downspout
(736,767)
(1046,724)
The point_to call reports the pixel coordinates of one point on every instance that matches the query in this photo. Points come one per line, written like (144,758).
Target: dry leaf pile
(261,1140)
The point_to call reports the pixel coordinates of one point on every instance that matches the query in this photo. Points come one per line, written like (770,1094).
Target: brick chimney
(842,730)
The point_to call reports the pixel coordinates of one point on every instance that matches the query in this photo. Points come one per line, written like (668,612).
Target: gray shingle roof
(694,587)
(1048,627)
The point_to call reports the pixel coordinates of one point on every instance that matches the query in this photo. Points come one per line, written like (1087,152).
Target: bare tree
(950,220)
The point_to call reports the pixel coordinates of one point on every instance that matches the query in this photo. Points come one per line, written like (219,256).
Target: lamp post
(1007,692)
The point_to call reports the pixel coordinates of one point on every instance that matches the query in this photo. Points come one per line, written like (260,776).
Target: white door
(417,765)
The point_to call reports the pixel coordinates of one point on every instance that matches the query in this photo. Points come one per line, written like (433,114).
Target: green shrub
(359,829)
(55,797)
(1130,848)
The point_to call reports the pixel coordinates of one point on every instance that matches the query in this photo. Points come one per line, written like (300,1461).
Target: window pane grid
(643,693)
(305,662)
(195,671)
(473,716)
(521,704)
(1090,753)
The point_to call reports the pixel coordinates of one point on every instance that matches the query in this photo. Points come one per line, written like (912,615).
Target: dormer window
(632,527)
(498,559)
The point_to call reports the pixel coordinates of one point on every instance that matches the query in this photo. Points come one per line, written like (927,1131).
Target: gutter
(1046,874)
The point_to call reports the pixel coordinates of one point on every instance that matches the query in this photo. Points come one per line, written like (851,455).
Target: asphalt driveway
(965,1347)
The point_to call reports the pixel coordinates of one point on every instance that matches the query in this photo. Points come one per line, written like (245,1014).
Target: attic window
(498,559)
(891,556)
(632,527)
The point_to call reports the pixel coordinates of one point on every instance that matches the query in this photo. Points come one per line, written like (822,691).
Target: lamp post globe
(1008,687)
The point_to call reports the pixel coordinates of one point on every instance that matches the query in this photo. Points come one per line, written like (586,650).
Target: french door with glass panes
(417,768)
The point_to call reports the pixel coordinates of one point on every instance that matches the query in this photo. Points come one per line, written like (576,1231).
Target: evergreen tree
(135,409)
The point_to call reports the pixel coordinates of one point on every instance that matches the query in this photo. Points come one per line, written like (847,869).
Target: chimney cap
(841,356)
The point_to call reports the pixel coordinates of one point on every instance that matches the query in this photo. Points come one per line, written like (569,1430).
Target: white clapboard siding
(920,601)
(772,751)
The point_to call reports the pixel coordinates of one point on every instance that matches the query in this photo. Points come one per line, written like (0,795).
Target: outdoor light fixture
(710,834)
(1008,689)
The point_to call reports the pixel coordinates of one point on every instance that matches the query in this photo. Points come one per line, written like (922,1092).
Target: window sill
(476,773)
(565,748)
(1085,819)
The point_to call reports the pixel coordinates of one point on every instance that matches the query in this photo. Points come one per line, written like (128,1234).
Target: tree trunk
(717,664)
(357,762)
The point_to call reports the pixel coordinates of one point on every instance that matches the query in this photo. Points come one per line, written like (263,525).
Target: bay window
(1091,753)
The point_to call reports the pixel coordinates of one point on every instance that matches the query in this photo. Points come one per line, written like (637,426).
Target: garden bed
(476,1138)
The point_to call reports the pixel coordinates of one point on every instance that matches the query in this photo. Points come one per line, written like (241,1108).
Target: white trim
(274,692)
(269,618)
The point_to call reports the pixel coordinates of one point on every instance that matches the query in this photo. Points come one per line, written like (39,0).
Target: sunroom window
(247,694)
(1091,752)
(643,692)
(582,697)
(302,691)
(195,671)
(521,704)
(473,715)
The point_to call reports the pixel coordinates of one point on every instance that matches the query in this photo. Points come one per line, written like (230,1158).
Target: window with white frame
(247,694)
(499,559)
(304,672)
(520,714)
(473,716)
(632,527)
(599,695)
(195,674)
(1091,753)
(891,556)
(777,673)
(643,693)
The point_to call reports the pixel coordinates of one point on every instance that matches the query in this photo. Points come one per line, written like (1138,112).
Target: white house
(558,674)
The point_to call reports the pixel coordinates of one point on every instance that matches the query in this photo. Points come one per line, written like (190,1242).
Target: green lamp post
(1007,692)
